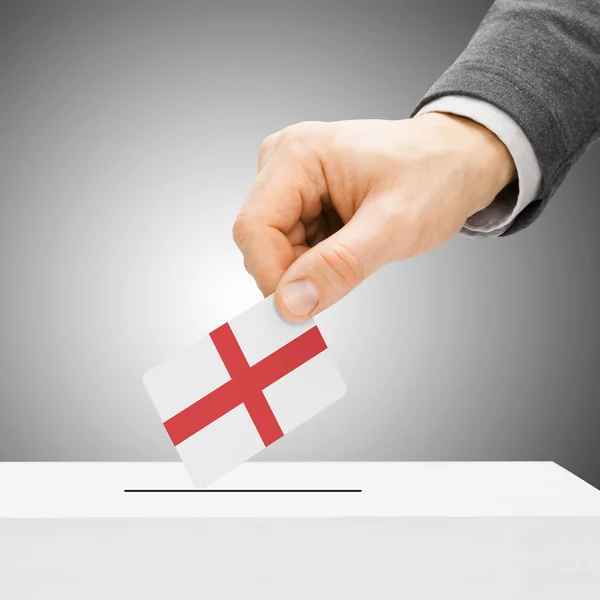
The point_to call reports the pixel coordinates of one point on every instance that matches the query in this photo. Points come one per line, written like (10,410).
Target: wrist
(489,164)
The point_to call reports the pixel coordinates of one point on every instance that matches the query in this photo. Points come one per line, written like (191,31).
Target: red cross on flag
(241,388)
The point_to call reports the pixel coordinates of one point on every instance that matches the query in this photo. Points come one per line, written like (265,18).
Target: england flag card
(238,390)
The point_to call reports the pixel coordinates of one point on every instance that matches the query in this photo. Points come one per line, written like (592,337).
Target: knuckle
(345,264)
(295,134)
(266,146)
(301,141)
(240,230)
(297,150)
(288,134)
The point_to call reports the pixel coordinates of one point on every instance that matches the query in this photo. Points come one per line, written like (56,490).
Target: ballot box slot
(265,491)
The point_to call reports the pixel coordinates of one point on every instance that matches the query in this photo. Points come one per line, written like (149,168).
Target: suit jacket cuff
(498,216)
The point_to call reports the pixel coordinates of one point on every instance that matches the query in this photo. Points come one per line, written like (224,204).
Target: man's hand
(334,202)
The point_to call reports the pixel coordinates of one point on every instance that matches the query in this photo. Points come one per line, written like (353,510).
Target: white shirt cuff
(497,217)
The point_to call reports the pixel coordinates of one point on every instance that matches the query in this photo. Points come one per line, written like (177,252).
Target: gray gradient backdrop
(128,139)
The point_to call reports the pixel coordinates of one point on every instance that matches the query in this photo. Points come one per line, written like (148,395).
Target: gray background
(128,139)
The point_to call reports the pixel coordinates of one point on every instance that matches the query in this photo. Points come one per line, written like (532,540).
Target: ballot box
(413,530)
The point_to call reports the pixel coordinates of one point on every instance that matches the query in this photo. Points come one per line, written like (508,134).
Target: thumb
(327,272)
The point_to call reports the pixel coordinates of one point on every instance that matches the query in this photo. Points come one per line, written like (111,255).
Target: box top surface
(388,489)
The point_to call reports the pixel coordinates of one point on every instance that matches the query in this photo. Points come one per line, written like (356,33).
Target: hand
(334,202)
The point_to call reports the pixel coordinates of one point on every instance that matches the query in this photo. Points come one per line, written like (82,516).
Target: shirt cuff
(499,215)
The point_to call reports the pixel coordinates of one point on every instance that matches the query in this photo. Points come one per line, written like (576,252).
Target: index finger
(284,193)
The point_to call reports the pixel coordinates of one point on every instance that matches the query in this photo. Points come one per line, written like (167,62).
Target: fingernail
(300,297)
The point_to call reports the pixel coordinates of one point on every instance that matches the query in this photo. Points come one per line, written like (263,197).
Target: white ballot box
(299,530)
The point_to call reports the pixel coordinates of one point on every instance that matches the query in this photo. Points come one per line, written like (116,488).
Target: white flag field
(241,388)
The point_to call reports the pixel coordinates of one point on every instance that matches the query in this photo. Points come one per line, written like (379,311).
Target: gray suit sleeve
(539,62)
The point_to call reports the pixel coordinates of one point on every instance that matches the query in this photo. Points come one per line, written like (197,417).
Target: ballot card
(241,388)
